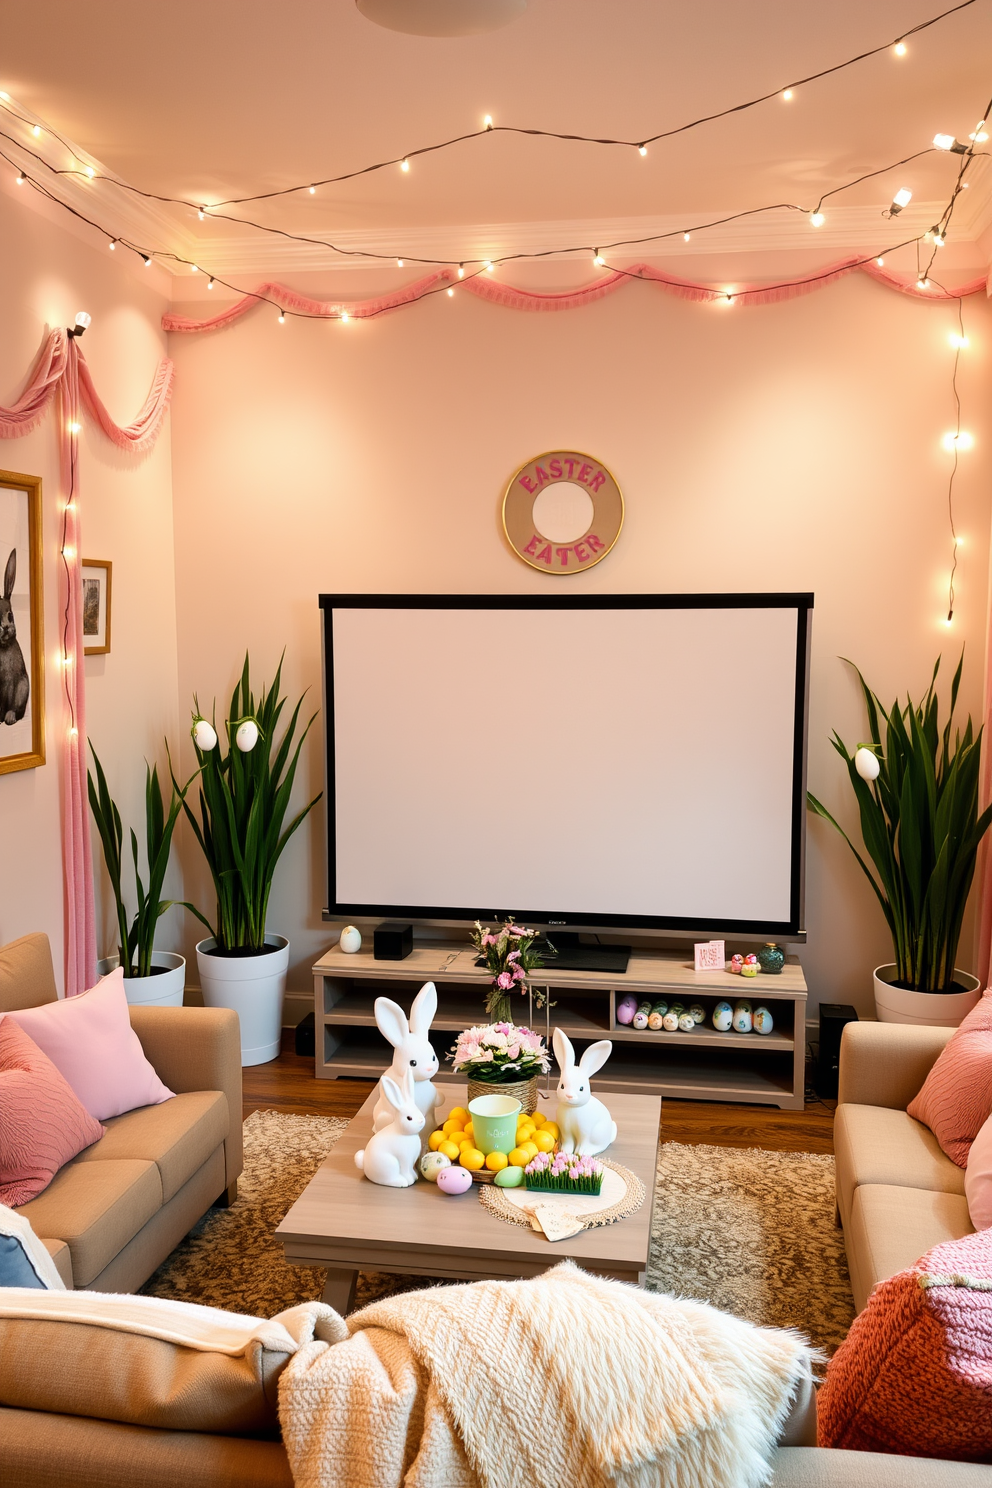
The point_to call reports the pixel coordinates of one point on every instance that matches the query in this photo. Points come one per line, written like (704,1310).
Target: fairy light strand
(402,161)
(959,345)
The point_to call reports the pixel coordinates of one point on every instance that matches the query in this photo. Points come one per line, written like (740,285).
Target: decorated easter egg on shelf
(736,962)
(350,939)
(743,1020)
(433,1163)
(670,1021)
(510,1177)
(626,1008)
(657,1014)
(723,1017)
(763,1021)
(676,1007)
(686,1022)
(698,1013)
(640,1018)
(454,1180)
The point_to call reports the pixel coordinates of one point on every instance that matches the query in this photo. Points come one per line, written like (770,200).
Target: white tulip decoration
(866,763)
(247,735)
(204,735)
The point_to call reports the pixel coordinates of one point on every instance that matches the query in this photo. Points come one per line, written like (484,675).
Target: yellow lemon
(530,1148)
(552,1128)
(462,1140)
(544,1141)
(449,1149)
(524,1133)
(519,1158)
(496,1160)
(472,1159)
(435,1139)
(452,1126)
(458,1113)
(539,1118)
(469,1129)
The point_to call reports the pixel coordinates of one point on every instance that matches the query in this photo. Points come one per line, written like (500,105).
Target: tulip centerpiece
(501,1059)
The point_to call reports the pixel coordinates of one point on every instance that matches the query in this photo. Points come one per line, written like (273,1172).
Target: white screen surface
(582,764)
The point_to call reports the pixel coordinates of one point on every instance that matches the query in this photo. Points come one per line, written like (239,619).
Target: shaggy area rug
(750,1231)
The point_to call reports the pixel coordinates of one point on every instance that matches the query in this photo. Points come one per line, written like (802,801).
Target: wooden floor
(288,1084)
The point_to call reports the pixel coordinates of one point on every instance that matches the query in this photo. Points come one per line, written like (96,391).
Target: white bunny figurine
(392,1154)
(585,1124)
(411,1051)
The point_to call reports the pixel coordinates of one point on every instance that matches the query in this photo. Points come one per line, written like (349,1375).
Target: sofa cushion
(42,1121)
(177,1136)
(151,1362)
(889,1228)
(96,1208)
(956,1099)
(873,1144)
(25,1261)
(797,1467)
(914,1375)
(90,1040)
(27,976)
(62,1257)
(978,1179)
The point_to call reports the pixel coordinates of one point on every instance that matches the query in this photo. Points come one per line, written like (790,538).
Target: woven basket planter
(525,1091)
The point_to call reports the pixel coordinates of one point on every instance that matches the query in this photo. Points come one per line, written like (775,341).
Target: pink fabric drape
(61,371)
(497,293)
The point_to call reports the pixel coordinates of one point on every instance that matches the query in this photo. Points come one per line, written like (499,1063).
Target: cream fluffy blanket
(564,1381)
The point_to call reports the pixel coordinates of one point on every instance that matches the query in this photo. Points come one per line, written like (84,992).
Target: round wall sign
(562,512)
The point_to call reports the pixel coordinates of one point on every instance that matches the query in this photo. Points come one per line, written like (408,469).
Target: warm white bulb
(787,95)
(880,261)
(642,150)
(728,299)
(312,190)
(598,259)
(83,321)
(36,131)
(939,240)
(90,172)
(199,213)
(112,244)
(68,552)
(210,284)
(282,318)
(487,122)
(961,440)
(817,219)
(74,428)
(686,237)
(399,263)
(194,268)
(404,165)
(490,266)
(900,49)
(344,315)
(461,271)
(450,293)
(20,178)
(943,141)
(957,340)
(923,283)
(979,136)
(902,198)
(146,257)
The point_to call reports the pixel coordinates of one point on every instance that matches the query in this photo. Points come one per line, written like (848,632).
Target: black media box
(392,942)
(833,1018)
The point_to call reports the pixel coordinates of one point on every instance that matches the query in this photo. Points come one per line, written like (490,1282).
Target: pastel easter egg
(640,1019)
(736,962)
(433,1163)
(247,736)
(204,735)
(686,1022)
(698,1013)
(670,1022)
(676,1007)
(723,1017)
(626,1008)
(350,939)
(742,1018)
(763,1021)
(454,1180)
(866,763)
(511,1177)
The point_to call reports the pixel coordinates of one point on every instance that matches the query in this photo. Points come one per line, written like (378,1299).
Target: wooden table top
(341,1211)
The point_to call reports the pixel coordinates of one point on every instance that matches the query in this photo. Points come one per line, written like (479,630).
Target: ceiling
(211,101)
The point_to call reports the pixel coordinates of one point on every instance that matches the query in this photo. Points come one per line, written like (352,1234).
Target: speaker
(392,942)
(306,1037)
(833,1016)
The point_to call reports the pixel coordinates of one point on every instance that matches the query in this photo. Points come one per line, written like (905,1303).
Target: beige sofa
(114,1213)
(897,1193)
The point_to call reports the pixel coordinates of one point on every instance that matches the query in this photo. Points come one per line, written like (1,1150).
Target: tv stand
(702,1065)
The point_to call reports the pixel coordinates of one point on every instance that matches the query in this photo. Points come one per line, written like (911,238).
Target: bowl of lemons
(455,1140)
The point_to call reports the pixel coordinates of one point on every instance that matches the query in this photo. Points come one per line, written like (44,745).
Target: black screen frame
(543,917)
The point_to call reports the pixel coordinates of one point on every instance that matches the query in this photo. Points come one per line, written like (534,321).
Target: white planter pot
(933,1009)
(164,990)
(254,987)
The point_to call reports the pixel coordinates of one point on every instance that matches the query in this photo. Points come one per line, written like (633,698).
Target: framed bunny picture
(22,612)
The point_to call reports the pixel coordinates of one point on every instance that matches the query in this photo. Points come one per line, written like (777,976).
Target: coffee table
(345,1223)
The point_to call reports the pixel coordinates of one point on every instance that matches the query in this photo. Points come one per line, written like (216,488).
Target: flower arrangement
(510,954)
(500,1053)
(563,1172)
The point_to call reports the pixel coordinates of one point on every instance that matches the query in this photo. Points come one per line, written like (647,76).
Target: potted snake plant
(244,791)
(917,792)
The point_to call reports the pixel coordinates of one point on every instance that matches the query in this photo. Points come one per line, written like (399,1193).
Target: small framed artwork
(96,606)
(22,617)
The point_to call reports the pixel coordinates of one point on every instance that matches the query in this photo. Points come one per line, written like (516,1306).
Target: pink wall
(791,447)
(126,514)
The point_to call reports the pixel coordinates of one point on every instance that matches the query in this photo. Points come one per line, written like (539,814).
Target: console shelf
(703,1065)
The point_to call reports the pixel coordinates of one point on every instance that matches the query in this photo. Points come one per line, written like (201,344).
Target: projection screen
(595,762)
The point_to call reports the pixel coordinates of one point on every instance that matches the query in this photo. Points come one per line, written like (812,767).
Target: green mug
(494,1122)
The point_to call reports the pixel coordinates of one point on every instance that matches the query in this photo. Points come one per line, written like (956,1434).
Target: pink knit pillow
(978,1179)
(42,1124)
(956,1099)
(914,1375)
(90,1041)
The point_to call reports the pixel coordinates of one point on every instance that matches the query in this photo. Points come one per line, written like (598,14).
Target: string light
(90,172)
(817,219)
(598,258)
(194,268)
(210,282)
(958,340)
(900,49)
(282,318)
(399,263)
(313,190)
(344,315)
(75,428)
(36,131)
(686,236)
(979,136)
(146,259)
(955,442)
(957,439)
(642,150)
(404,165)
(450,293)
(902,198)
(487,122)
(461,271)
(948,142)
(200,213)
(938,239)
(787,96)
(880,261)
(21,178)
(923,283)
(489,266)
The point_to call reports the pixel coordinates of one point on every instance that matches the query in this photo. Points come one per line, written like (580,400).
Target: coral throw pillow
(90,1041)
(914,1375)
(978,1179)
(956,1099)
(42,1123)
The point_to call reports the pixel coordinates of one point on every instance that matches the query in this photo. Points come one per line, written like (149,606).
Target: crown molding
(155,226)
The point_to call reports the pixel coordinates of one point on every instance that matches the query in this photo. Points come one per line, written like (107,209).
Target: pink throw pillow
(956,1099)
(914,1375)
(90,1041)
(42,1124)
(978,1179)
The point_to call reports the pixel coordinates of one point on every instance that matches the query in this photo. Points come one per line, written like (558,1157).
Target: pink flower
(519,975)
(504,980)
(514,1051)
(513,956)
(488,940)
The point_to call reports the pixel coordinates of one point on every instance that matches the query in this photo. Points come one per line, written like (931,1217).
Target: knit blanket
(566,1379)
